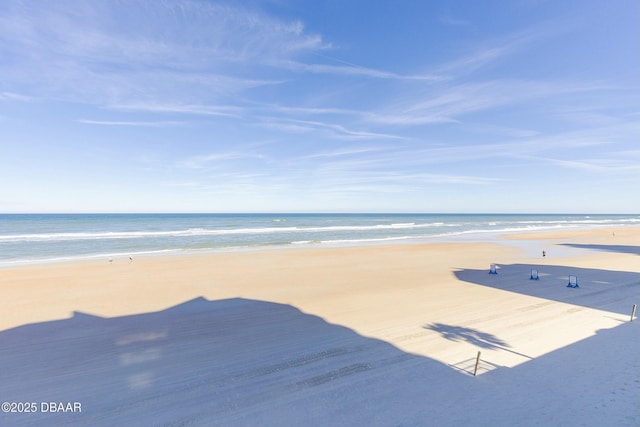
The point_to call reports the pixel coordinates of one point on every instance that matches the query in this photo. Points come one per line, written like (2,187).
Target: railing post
(475,371)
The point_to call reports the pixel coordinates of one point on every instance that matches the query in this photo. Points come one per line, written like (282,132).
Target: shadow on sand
(613,291)
(471,336)
(625,249)
(247,362)
(200,362)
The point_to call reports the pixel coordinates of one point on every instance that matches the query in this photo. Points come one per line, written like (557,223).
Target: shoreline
(490,236)
(195,271)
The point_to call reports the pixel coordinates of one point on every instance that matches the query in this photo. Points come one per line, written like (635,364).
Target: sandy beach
(373,335)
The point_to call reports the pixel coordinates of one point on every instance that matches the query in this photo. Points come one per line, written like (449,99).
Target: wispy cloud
(354,70)
(398,182)
(195,109)
(311,110)
(333,130)
(504,131)
(345,152)
(448,19)
(207,160)
(182,51)
(9,96)
(489,52)
(450,103)
(129,123)
(183,34)
(181,184)
(534,146)
(613,164)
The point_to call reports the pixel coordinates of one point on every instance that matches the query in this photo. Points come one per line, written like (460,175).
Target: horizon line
(309,213)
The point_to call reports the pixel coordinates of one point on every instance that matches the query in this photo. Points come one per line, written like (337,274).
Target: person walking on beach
(544,254)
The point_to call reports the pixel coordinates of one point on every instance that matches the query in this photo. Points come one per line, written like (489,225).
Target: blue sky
(320,106)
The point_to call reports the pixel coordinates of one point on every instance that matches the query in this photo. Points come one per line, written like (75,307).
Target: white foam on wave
(25,248)
(193,232)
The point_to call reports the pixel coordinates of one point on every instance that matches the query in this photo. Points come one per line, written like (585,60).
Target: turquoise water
(52,237)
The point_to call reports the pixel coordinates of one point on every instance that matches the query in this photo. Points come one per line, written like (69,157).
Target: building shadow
(613,291)
(197,363)
(600,370)
(239,362)
(625,249)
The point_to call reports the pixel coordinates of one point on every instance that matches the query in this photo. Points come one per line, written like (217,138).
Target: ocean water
(35,238)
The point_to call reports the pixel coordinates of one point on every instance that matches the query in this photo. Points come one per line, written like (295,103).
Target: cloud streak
(332,130)
(128,123)
(448,104)
(187,109)
(354,70)
(216,159)
(96,53)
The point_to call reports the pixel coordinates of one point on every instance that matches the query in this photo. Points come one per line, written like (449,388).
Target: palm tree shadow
(471,336)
